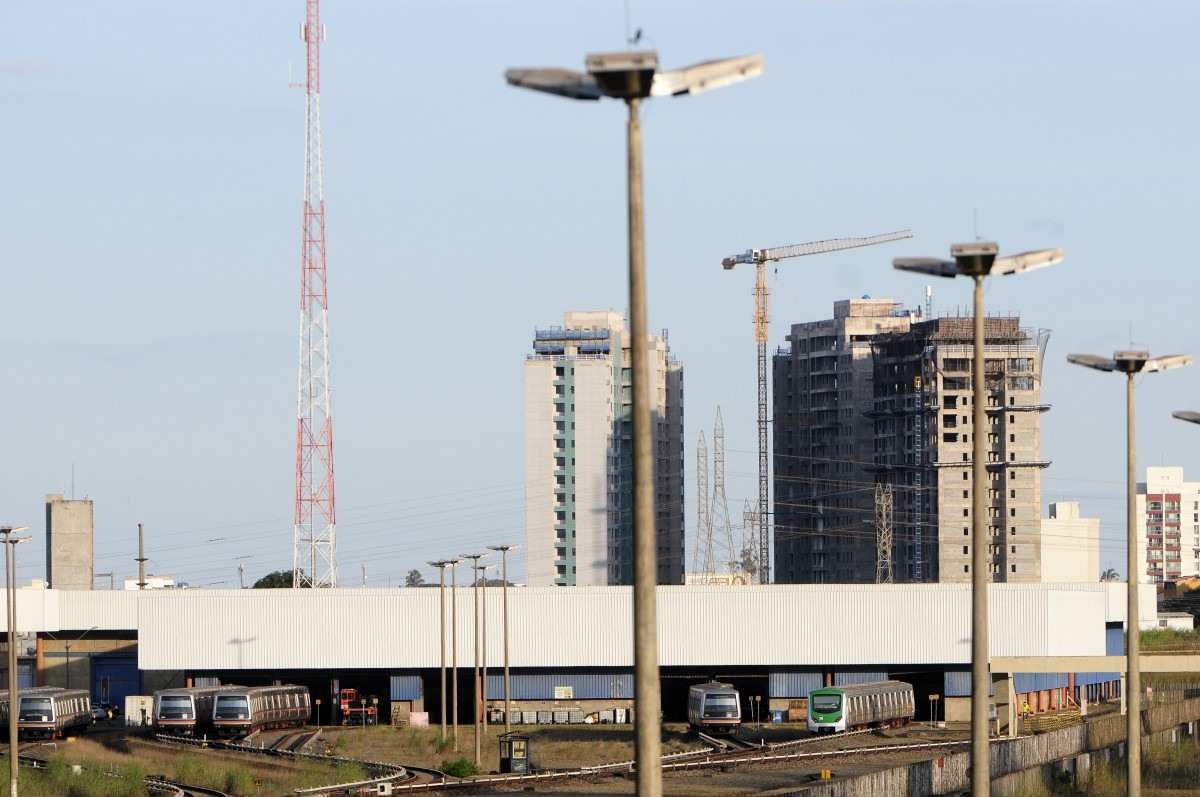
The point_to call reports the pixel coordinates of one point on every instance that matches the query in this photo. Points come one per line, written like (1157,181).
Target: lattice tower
(720,505)
(314,560)
(883,534)
(702,559)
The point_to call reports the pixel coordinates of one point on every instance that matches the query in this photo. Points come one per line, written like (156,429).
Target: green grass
(1164,766)
(1168,639)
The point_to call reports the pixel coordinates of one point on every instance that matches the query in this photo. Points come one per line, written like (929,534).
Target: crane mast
(760,258)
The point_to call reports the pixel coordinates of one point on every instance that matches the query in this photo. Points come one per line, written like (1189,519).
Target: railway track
(169,787)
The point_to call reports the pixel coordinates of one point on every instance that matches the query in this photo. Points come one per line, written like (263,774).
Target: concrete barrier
(1016,764)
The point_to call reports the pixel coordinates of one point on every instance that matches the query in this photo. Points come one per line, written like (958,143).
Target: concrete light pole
(441,566)
(484,647)
(10,570)
(504,549)
(454,648)
(475,568)
(978,260)
(633,77)
(1131,363)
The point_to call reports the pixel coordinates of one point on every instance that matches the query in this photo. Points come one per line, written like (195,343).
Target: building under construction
(878,395)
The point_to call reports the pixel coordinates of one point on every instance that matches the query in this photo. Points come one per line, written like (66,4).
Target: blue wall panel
(540,686)
(957,683)
(793,684)
(1114,641)
(407,687)
(114,678)
(849,678)
(1089,678)
(1037,681)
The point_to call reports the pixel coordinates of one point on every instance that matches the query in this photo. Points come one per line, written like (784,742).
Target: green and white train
(878,704)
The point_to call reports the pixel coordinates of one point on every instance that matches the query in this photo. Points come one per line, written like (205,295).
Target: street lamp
(1187,415)
(10,571)
(1132,363)
(632,77)
(483,678)
(978,260)
(441,566)
(475,557)
(504,549)
(454,649)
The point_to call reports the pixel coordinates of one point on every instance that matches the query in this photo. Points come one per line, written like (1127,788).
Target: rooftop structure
(1070,545)
(70,532)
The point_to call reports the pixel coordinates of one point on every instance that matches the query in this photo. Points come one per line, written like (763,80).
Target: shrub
(239,782)
(459,768)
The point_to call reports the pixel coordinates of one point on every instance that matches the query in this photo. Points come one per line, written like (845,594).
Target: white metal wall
(776,625)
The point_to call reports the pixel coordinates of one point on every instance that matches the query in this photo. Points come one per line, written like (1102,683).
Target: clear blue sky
(154,167)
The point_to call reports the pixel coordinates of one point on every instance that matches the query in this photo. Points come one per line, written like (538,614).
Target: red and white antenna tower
(314,561)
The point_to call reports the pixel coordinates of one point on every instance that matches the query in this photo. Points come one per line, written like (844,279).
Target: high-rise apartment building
(878,395)
(1168,526)
(70,530)
(579,454)
(823,452)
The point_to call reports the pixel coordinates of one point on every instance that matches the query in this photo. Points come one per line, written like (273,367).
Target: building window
(1014,549)
(1012,493)
(1012,530)
(966,568)
(966,512)
(1012,418)
(965,549)
(1012,512)
(966,475)
(950,437)
(966,493)
(966,531)
(1014,568)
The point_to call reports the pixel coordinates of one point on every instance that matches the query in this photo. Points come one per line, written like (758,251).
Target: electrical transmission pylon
(719,515)
(760,258)
(749,548)
(702,559)
(314,561)
(883,534)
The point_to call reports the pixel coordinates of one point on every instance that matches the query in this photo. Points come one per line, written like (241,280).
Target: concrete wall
(70,526)
(1070,545)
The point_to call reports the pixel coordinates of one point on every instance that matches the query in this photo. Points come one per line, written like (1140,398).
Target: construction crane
(759,258)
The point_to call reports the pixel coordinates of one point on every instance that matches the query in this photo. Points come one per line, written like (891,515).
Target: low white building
(1070,545)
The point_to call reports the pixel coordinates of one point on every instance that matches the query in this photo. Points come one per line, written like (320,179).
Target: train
(870,705)
(242,710)
(185,711)
(714,707)
(33,690)
(51,713)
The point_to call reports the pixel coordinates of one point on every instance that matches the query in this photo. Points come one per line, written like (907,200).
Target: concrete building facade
(879,395)
(823,452)
(1168,525)
(1070,545)
(578,454)
(70,529)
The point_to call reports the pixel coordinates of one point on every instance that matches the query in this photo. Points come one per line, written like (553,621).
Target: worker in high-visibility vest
(1026,712)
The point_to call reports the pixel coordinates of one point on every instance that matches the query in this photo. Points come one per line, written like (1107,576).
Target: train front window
(36,709)
(232,707)
(721,705)
(826,704)
(175,707)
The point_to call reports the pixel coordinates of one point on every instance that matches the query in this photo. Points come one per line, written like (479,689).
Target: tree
(414,579)
(1110,575)
(280,579)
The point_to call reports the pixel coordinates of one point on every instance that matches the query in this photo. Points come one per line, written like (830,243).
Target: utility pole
(454,648)
(475,557)
(504,549)
(441,566)
(364,574)
(10,569)
(883,534)
(141,558)
(241,576)
(483,679)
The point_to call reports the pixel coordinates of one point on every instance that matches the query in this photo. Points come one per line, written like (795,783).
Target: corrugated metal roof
(778,626)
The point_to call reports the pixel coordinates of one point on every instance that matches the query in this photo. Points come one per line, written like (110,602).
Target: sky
(151,227)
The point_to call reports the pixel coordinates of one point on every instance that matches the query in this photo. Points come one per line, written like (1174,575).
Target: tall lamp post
(454,649)
(475,568)
(633,77)
(441,566)
(10,570)
(978,260)
(504,549)
(483,571)
(1131,363)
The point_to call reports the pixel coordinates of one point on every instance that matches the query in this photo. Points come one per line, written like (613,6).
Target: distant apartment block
(70,529)
(1168,525)
(1070,545)
(578,454)
(879,395)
